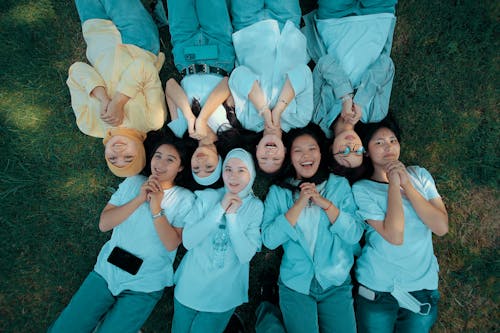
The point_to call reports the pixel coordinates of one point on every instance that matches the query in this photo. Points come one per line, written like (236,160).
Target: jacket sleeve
(332,72)
(348,225)
(141,77)
(202,220)
(276,229)
(374,91)
(245,237)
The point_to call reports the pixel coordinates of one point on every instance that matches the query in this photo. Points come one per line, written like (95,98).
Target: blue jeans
(340,8)
(248,12)
(323,310)
(93,305)
(383,314)
(203,24)
(130,17)
(187,320)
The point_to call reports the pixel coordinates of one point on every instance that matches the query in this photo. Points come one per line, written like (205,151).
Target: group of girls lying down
(248,104)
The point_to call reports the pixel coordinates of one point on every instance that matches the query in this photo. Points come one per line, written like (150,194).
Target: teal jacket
(335,244)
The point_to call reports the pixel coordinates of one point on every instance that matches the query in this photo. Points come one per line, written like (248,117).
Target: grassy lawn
(54,182)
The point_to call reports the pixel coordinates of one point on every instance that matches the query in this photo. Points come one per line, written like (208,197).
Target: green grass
(54,183)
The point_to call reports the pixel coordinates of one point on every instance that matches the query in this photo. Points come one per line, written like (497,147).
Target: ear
(180,168)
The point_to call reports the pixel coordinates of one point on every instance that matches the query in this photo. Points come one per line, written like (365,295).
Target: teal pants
(93,305)
(323,310)
(269,319)
(135,24)
(341,8)
(187,320)
(248,12)
(203,25)
(383,314)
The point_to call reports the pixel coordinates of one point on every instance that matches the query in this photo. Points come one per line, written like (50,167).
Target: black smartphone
(125,260)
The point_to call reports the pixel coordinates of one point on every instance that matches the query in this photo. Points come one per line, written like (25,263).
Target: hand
(200,129)
(346,109)
(230,203)
(396,173)
(99,93)
(146,188)
(268,118)
(115,112)
(314,196)
(276,118)
(307,191)
(155,195)
(356,114)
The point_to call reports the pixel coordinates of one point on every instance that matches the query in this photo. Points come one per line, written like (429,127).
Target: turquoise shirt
(382,265)
(268,55)
(352,55)
(200,285)
(334,246)
(137,235)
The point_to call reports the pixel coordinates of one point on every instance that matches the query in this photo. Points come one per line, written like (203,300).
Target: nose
(119,147)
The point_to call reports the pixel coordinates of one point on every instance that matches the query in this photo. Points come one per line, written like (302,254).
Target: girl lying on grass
(118,95)
(222,234)
(397,269)
(312,216)
(135,265)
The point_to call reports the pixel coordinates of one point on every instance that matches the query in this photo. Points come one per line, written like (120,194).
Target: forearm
(331,211)
(112,215)
(434,216)
(286,96)
(178,97)
(220,93)
(257,97)
(170,236)
(292,215)
(393,224)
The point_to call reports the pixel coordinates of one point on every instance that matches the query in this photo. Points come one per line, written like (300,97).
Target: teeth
(307,163)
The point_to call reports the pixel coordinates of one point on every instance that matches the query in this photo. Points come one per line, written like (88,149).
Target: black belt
(202,68)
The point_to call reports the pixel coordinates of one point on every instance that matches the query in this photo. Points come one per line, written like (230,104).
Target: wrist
(347,97)
(160,213)
(330,205)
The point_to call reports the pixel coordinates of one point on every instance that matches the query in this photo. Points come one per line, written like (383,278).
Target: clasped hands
(111,110)
(230,203)
(397,174)
(152,192)
(351,112)
(309,193)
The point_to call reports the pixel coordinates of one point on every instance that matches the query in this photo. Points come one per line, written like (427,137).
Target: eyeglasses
(348,150)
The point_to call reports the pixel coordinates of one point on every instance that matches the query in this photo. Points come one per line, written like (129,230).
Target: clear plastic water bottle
(219,244)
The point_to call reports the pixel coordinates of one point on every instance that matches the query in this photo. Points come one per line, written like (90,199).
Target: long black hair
(366,133)
(165,136)
(289,171)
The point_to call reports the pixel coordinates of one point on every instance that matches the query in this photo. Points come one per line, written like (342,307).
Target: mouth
(157,171)
(306,164)
(201,155)
(349,137)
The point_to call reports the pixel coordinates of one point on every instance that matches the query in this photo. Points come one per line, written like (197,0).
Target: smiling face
(235,175)
(204,160)
(121,150)
(166,164)
(306,156)
(270,153)
(383,147)
(347,139)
